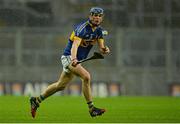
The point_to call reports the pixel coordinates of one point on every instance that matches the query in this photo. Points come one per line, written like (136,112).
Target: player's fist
(105,50)
(74,62)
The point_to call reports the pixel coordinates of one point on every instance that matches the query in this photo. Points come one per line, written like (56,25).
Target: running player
(84,36)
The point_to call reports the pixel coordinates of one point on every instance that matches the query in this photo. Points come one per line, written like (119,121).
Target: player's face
(96,19)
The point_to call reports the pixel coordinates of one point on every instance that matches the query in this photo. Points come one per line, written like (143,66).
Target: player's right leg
(64,79)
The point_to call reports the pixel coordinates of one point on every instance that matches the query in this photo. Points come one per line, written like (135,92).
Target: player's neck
(93,27)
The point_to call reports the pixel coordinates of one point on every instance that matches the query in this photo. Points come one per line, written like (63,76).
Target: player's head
(96,16)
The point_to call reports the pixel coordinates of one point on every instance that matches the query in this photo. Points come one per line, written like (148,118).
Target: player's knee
(87,78)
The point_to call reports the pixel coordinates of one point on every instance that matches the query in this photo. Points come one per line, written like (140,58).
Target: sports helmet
(96,10)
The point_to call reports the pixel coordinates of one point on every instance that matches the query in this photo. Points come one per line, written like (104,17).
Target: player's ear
(90,16)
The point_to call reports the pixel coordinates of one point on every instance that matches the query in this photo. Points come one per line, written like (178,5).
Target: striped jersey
(89,38)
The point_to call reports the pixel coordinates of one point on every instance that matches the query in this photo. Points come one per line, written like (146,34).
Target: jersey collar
(93,28)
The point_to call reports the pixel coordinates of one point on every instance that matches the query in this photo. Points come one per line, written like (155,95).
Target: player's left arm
(102,48)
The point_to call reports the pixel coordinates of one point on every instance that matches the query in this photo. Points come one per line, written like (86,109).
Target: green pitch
(59,109)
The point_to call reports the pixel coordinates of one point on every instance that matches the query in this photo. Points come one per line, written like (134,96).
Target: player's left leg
(60,85)
(34,105)
(86,88)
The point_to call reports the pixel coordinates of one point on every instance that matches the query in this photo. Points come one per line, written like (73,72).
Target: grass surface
(68,109)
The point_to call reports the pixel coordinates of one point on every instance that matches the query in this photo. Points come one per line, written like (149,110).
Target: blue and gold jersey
(89,38)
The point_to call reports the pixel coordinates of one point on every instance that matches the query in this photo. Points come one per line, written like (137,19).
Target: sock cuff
(90,104)
(41,97)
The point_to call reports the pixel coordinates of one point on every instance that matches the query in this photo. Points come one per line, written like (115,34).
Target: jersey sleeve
(73,37)
(80,30)
(100,33)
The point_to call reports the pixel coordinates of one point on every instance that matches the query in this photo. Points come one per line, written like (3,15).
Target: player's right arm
(77,37)
(75,45)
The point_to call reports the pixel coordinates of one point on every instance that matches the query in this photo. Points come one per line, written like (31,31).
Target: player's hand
(105,50)
(74,62)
